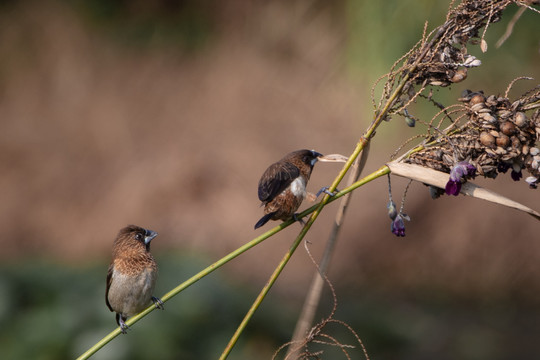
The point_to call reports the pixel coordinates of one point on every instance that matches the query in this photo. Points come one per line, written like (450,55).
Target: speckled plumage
(132,274)
(282,187)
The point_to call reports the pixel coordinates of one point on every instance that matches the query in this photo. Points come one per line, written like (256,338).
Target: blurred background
(165,113)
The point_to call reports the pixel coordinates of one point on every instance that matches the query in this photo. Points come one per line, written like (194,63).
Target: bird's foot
(123,327)
(325,190)
(297,217)
(159,304)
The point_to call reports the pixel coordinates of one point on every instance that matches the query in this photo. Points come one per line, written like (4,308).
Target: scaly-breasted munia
(132,274)
(282,187)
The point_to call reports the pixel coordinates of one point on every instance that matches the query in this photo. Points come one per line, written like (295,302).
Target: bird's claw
(123,327)
(158,303)
(296,217)
(325,190)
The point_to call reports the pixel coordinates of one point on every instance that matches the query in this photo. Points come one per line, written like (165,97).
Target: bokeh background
(165,113)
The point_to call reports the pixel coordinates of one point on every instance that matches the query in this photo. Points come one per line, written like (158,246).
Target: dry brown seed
(516,144)
(491,100)
(487,139)
(459,76)
(520,119)
(488,117)
(504,114)
(478,106)
(502,141)
(525,149)
(508,128)
(494,133)
(500,151)
(477,99)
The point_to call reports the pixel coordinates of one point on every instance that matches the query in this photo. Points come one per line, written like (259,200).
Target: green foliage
(186,25)
(54,311)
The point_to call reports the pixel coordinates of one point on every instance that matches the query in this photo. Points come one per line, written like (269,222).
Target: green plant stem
(316,210)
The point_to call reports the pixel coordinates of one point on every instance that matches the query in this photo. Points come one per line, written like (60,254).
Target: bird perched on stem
(282,187)
(132,274)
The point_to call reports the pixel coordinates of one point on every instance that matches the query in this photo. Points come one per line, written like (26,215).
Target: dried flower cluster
(497,136)
(447,61)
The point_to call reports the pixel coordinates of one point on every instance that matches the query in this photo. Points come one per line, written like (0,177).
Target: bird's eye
(138,236)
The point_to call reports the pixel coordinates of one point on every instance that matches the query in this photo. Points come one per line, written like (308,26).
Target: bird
(282,187)
(132,274)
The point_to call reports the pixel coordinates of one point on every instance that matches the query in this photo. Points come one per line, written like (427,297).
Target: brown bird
(132,274)
(282,187)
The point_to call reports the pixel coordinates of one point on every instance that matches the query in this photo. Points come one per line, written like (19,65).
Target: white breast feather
(298,187)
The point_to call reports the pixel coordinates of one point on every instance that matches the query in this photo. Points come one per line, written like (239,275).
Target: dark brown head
(134,239)
(302,158)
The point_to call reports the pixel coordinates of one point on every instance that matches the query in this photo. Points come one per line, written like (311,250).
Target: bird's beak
(333,158)
(316,157)
(149,236)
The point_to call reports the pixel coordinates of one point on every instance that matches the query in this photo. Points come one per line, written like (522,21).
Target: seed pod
(516,144)
(478,106)
(459,76)
(520,119)
(525,149)
(491,100)
(534,151)
(508,128)
(437,83)
(500,151)
(504,114)
(488,117)
(487,139)
(502,141)
(477,99)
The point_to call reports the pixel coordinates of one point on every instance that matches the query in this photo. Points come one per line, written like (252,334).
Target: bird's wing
(275,179)
(109,280)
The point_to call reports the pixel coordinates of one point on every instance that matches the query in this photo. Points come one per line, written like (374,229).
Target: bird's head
(308,157)
(135,238)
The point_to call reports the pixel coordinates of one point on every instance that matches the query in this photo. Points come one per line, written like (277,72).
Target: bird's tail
(264,219)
